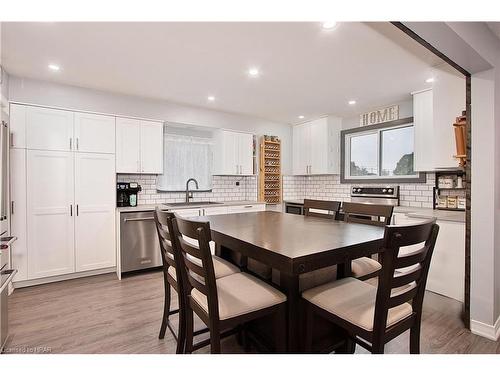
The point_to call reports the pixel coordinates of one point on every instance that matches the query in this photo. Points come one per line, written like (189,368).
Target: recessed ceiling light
(211,98)
(54,67)
(253,72)
(301,117)
(352,102)
(429,80)
(329,25)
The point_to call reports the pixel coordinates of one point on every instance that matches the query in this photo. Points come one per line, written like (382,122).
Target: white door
(245,153)
(95,211)
(127,145)
(50,211)
(302,149)
(231,152)
(318,146)
(17,126)
(151,147)
(94,133)
(49,129)
(19,250)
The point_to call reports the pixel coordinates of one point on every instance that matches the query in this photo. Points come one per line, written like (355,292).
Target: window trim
(419,177)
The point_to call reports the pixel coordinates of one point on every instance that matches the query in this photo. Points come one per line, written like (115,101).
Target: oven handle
(139,219)
(9,279)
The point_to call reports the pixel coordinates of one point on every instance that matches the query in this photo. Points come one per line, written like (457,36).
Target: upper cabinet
(38,128)
(139,146)
(49,129)
(94,133)
(434,112)
(233,153)
(316,146)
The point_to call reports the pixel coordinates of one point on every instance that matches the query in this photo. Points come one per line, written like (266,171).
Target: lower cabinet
(246,208)
(447,270)
(63,207)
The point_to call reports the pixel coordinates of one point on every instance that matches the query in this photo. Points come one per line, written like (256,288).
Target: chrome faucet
(188,193)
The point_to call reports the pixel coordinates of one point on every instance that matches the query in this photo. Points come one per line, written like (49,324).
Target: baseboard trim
(53,279)
(491,332)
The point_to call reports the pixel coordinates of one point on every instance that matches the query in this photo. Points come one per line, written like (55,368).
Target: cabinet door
(423,131)
(189,212)
(246,208)
(127,145)
(151,147)
(17,126)
(49,129)
(230,158)
(245,153)
(215,211)
(318,147)
(19,250)
(95,211)
(301,149)
(94,133)
(50,182)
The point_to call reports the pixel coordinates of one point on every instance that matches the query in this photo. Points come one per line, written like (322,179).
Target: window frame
(345,176)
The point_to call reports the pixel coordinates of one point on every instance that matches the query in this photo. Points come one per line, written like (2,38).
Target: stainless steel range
(388,194)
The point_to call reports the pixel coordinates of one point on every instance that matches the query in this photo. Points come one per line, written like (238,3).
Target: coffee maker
(126,194)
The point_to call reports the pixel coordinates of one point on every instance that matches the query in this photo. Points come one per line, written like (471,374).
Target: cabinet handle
(12,207)
(11,139)
(241,169)
(77,145)
(71,143)
(77,211)
(70,210)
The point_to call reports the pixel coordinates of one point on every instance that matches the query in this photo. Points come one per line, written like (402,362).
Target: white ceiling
(305,70)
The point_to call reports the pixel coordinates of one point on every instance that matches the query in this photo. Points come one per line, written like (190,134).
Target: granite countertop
(152,207)
(417,212)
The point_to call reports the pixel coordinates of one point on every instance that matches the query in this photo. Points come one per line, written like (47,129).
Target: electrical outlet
(237,183)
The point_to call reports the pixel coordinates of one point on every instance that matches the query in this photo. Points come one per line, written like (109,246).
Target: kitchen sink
(181,204)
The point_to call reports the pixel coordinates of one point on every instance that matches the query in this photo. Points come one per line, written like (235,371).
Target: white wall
(52,94)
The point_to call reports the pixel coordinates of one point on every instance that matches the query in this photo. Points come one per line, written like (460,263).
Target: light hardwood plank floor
(101,314)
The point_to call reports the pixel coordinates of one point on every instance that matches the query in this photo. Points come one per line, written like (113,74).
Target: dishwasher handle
(138,219)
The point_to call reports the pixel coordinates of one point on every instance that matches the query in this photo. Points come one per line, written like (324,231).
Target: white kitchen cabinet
(94,133)
(233,153)
(188,212)
(50,210)
(49,129)
(151,147)
(18,228)
(434,112)
(316,147)
(17,126)
(139,146)
(254,207)
(95,211)
(215,211)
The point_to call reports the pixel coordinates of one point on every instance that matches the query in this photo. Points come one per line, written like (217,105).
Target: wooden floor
(101,314)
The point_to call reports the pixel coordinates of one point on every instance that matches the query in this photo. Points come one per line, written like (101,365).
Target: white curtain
(186,157)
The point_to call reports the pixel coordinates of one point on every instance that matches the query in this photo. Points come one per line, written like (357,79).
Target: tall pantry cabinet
(62,191)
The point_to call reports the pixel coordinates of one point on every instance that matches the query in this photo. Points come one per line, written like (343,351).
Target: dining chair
(173,272)
(321,208)
(325,210)
(372,316)
(227,302)
(372,214)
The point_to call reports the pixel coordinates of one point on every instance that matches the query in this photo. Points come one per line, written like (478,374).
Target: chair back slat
(329,208)
(399,269)
(197,258)
(364,213)
(405,278)
(165,238)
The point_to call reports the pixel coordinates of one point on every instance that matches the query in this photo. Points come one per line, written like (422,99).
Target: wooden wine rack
(270,183)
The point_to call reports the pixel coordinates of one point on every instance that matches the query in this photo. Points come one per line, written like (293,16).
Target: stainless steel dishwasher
(139,246)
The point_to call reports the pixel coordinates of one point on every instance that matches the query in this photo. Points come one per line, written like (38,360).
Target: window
(379,153)
(184,157)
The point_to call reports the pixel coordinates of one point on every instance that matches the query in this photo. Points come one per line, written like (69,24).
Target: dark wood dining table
(293,245)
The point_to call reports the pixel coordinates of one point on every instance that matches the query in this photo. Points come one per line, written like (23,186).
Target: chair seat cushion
(239,294)
(353,301)
(364,266)
(222,267)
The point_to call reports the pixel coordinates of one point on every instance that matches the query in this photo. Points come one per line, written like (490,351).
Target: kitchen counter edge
(152,207)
